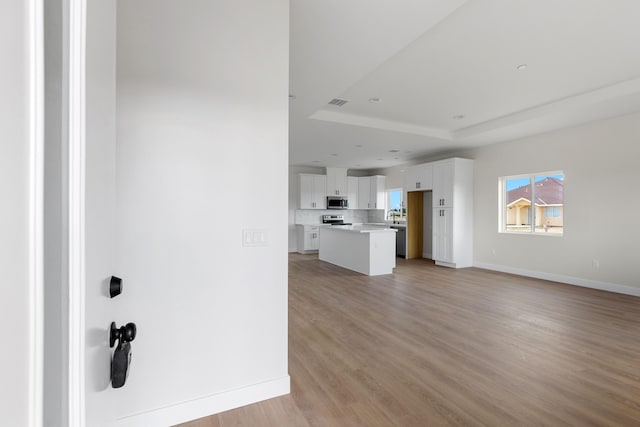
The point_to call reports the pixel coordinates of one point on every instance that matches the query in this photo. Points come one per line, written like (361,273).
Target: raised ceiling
(434,76)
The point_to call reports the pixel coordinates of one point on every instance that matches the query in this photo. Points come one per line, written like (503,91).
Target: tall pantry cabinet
(453,212)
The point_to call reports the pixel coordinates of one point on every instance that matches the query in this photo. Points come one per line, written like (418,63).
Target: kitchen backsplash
(306,216)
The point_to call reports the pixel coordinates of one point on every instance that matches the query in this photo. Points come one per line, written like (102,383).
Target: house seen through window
(395,210)
(532,203)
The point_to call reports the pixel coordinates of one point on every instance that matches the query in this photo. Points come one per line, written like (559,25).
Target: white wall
(601,173)
(394,176)
(15,313)
(202,152)
(600,162)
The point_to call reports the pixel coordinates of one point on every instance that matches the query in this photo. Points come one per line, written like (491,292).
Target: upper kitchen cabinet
(313,191)
(352,191)
(337,182)
(377,188)
(364,192)
(419,178)
(443,183)
(371,192)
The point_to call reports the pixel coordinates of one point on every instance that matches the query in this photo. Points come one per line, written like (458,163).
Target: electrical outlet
(493,251)
(595,264)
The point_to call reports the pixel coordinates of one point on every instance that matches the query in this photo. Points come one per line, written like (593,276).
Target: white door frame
(77,167)
(35,49)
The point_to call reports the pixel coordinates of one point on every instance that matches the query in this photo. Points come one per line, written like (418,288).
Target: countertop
(363,228)
(386,224)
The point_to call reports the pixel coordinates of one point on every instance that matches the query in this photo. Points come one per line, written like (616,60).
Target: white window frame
(387,208)
(502,208)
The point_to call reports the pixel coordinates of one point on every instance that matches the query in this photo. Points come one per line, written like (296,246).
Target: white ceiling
(431,61)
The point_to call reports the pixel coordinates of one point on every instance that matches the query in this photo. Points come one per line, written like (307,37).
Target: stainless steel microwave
(337,202)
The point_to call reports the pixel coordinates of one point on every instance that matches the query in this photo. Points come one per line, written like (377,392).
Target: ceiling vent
(338,102)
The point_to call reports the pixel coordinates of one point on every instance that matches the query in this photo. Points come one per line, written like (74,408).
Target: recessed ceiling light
(380,159)
(315,161)
(407,152)
(374,99)
(394,151)
(334,154)
(395,158)
(359,145)
(292,97)
(458,117)
(522,67)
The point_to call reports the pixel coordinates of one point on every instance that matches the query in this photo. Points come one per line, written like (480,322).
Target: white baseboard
(576,281)
(208,405)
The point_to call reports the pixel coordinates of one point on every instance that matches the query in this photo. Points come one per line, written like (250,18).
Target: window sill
(527,233)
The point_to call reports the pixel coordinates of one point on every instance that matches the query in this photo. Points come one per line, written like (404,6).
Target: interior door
(174,177)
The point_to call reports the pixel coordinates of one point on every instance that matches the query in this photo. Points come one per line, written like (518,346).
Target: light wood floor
(431,346)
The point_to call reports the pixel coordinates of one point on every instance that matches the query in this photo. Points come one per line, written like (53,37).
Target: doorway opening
(419,224)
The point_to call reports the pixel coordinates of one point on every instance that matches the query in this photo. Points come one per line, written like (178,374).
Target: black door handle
(122,354)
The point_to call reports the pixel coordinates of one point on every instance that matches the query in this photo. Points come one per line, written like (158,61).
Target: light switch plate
(254,237)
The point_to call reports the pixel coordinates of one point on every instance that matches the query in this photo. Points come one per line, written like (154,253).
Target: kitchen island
(366,249)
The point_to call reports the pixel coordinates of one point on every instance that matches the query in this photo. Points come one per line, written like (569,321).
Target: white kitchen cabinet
(419,178)
(352,191)
(371,192)
(443,182)
(443,235)
(336,181)
(313,191)
(364,192)
(376,196)
(308,238)
(453,213)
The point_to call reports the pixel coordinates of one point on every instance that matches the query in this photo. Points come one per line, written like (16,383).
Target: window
(532,203)
(395,210)
(552,212)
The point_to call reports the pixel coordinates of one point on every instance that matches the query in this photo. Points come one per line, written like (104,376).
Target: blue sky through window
(395,199)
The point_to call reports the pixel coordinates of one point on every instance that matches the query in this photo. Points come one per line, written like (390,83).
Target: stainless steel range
(334,220)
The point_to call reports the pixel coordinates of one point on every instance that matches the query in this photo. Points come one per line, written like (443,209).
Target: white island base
(367,250)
